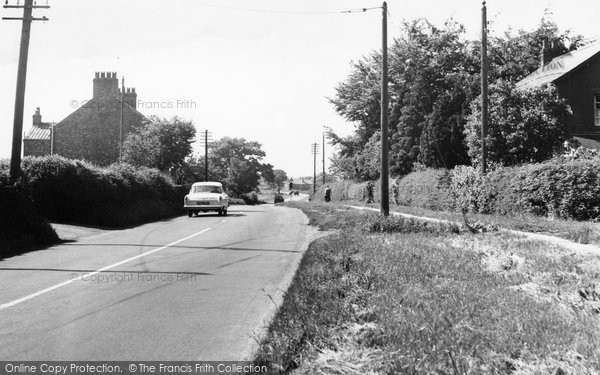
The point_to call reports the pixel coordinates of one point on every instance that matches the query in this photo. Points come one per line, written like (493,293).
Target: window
(597,110)
(209,188)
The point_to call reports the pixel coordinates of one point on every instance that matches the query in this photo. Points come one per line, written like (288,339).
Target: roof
(559,66)
(95,105)
(207,183)
(38,132)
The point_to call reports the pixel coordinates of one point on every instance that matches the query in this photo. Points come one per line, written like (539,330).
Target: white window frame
(597,110)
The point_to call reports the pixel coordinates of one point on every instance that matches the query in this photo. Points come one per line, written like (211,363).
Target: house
(576,75)
(37,142)
(93,131)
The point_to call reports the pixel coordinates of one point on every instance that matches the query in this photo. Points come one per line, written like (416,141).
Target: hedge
(560,187)
(20,227)
(76,192)
(563,187)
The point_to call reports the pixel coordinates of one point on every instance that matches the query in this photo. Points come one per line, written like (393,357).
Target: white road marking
(65,283)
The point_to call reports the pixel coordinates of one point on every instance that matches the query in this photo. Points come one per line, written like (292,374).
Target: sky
(258,69)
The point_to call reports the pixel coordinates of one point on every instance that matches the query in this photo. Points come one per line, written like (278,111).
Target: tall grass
(417,301)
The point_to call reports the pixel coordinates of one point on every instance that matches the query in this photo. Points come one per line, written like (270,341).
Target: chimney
(556,49)
(37,117)
(106,85)
(130,97)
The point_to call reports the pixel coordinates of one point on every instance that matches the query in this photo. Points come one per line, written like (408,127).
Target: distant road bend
(198,288)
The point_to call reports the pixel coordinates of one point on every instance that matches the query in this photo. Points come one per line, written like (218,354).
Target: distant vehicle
(206,196)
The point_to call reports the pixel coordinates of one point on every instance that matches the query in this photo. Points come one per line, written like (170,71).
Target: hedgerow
(21,228)
(76,192)
(566,187)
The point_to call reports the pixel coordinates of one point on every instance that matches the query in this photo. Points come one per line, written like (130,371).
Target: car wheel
(189,213)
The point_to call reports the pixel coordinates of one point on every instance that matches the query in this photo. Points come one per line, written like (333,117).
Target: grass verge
(576,231)
(397,296)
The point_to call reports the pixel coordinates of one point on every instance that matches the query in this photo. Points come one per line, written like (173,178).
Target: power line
(271,11)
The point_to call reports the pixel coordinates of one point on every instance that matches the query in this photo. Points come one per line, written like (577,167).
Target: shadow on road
(224,247)
(217,215)
(108,271)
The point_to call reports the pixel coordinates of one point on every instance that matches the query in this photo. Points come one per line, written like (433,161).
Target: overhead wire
(256,10)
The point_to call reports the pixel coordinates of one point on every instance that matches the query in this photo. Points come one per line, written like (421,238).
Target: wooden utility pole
(323,158)
(385,198)
(484,88)
(121,123)
(314,149)
(15,160)
(206,136)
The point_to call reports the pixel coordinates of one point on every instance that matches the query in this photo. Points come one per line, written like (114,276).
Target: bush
(557,188)
(279,198)
(120,195)
(250,198)
(427,188)
(22,228)
(524,125)
(375,223)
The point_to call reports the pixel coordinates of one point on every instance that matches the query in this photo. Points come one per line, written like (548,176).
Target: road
(199,288)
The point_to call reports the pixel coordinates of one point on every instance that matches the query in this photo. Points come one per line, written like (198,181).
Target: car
(204,197)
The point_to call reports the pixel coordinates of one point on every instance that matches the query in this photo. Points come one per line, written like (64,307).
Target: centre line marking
(65,283)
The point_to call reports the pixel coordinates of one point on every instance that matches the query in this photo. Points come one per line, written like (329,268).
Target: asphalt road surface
(200,288)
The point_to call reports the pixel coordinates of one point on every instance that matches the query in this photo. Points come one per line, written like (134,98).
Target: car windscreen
(206,189)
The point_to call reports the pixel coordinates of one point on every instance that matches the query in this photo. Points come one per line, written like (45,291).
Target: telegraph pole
(206,136)
(15,160)
(315,150)
(385,198)
(484,88)
(323,158)
(121,123)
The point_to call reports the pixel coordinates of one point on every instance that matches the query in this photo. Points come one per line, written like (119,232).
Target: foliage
(523,125)
(22,226)
(427,188)
(162,144)
(238,163)
(250,198)
(568,189)
(434,79)
(76,192)
(280,178)
(358,299)
(279,198)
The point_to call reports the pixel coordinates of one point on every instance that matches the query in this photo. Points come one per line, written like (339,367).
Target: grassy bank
(397,296)
(576,231)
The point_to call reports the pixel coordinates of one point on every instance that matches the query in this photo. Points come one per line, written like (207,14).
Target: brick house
(92,132)
(576,75)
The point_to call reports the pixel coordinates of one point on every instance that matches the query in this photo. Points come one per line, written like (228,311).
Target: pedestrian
(327,194)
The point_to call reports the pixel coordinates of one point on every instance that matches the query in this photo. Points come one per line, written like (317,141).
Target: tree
(430,75)
(238,163)
(523,125)
(162,144)
(280,177)
(434,77)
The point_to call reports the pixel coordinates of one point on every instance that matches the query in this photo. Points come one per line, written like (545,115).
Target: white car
(206,196)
